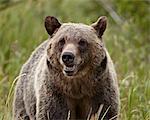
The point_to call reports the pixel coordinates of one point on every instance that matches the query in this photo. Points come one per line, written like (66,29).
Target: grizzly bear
(71,72)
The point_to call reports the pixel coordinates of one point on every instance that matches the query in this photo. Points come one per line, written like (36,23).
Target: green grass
(22,30)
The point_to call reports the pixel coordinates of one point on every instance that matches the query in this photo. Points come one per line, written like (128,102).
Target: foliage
(22,29)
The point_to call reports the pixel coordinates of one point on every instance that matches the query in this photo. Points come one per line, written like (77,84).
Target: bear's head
(75,49)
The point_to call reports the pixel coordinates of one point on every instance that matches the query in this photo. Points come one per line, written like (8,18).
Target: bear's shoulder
(36,55)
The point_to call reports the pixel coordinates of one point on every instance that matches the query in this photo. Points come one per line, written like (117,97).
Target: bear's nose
(68,58)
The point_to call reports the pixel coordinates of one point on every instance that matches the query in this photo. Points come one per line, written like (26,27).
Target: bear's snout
(68,58)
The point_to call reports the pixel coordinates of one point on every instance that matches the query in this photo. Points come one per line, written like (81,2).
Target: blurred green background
(127,38)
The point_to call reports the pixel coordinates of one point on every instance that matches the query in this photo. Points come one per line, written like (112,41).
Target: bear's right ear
(100,25)
(51,24)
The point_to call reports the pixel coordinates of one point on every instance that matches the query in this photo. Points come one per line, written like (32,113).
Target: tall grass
(22,30)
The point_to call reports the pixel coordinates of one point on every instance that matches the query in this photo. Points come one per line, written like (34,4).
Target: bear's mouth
(69,71)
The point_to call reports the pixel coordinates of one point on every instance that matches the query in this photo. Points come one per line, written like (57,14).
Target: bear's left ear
(51,24)
(100,25)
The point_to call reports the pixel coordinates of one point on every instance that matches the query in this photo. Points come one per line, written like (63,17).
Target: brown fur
(46,92)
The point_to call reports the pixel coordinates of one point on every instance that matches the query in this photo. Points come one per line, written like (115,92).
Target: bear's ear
(51,24)
(100,25)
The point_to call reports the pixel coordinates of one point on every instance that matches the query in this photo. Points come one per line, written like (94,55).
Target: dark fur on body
(44,92)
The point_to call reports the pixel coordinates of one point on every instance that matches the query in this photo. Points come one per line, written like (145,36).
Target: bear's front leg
(42,106)
(51,107)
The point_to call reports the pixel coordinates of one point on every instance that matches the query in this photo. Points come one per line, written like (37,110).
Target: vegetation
(127,39)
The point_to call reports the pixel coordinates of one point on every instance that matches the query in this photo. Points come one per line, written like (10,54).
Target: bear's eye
(83,44)
(61,43)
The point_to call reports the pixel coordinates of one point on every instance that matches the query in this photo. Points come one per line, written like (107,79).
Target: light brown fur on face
(71,71)
(73,33)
